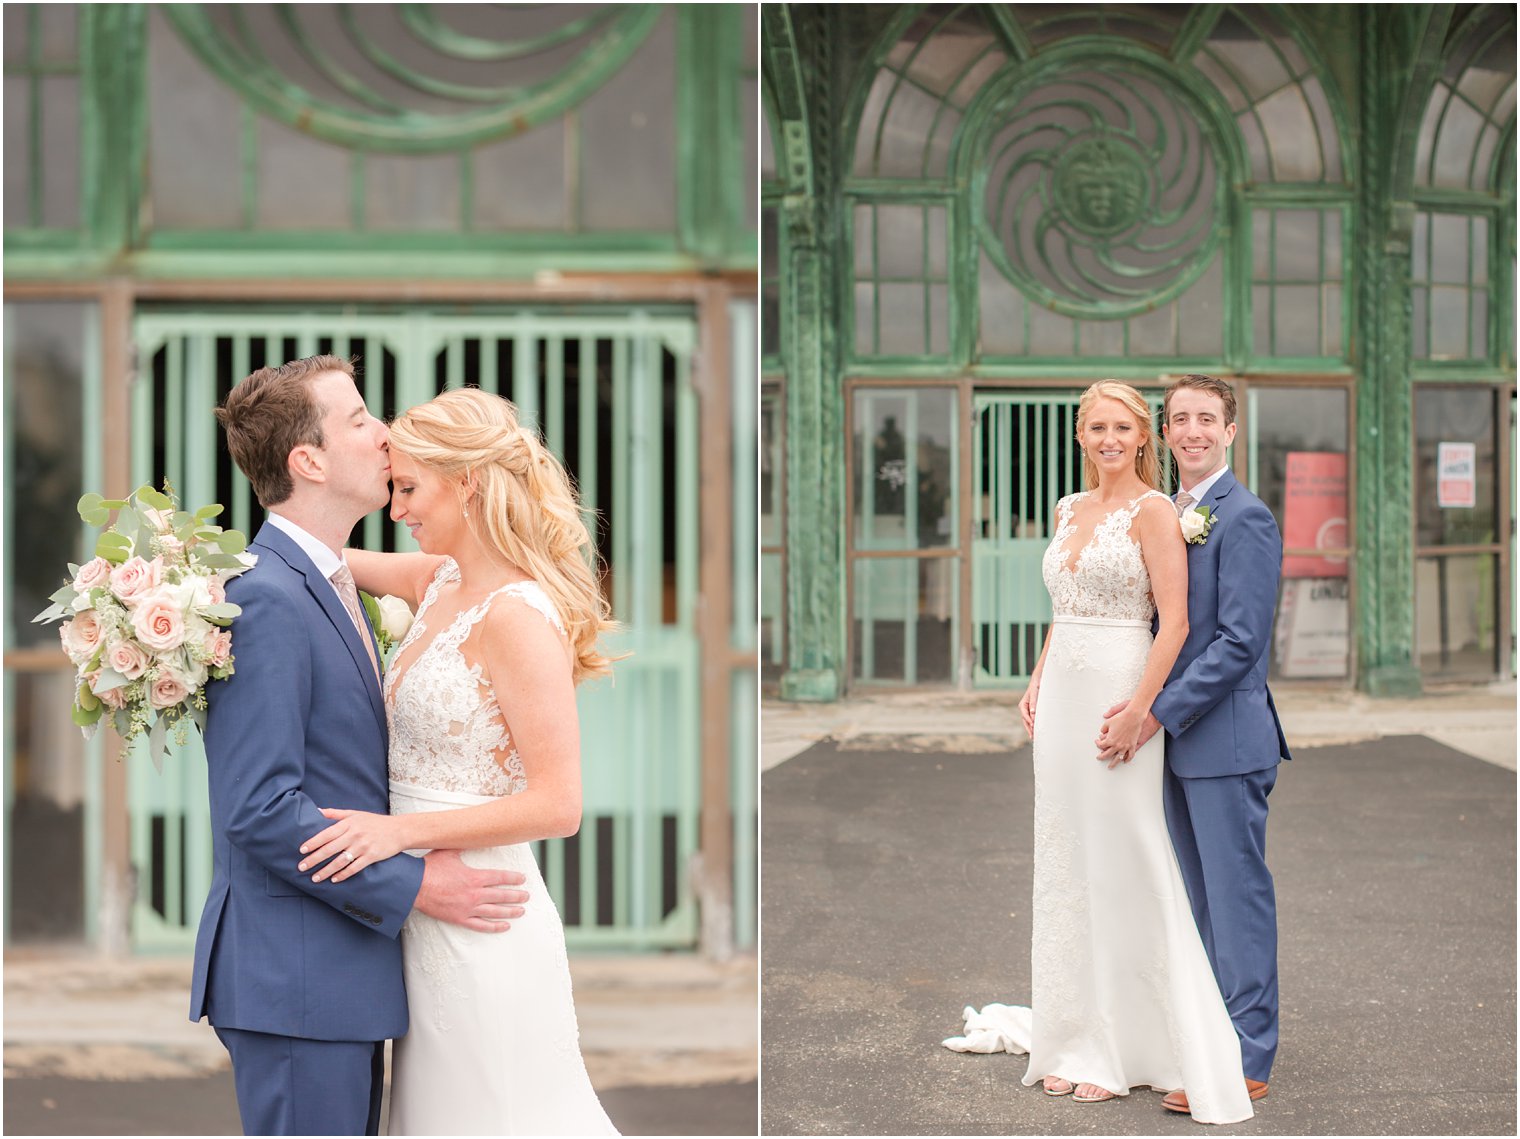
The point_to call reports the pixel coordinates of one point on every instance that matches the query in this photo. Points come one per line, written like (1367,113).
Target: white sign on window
(1457,475)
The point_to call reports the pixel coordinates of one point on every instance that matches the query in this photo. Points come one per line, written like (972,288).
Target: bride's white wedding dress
(493,1047)
(1122,994)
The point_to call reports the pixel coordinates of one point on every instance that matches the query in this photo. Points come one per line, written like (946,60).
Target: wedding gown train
(493,1047)
(1122,994)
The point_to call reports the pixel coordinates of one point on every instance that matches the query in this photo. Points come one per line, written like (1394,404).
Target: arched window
(1114,181)
(1463,178)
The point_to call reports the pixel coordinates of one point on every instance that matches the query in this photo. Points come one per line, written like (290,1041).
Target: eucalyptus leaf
(206,513)
(156,742)
(232,542)
(64,594)
(121,720)
(51,613)
(225,611)
(147,496)
(84,718)
(113,547)
(220,561)
(109,681)
(89,505)
(86,702)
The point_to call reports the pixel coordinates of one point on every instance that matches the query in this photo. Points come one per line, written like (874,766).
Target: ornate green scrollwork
(403,78)
(1100,190)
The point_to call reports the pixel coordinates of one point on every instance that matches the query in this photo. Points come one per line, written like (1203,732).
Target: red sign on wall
(1314,513)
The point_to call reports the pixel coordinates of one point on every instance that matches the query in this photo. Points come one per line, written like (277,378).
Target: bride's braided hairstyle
(1147,462)
(525,507)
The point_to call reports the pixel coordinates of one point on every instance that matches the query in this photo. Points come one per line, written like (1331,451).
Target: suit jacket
(299,725)
(1215,705)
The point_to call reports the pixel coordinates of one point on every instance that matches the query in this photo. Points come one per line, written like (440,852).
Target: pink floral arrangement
(148,615)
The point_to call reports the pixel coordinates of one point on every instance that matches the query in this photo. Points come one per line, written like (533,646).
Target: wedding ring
(348,856)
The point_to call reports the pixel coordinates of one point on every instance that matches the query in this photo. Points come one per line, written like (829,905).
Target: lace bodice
(1107,577)
(447,732)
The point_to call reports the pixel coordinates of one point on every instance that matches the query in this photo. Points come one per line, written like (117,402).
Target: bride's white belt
(437,795)
(1066,618)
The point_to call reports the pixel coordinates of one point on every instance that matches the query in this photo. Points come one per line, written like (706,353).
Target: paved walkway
(1478,720)
(671,1040)
(898,864)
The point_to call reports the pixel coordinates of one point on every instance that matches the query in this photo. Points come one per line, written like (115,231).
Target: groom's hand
(482,900)
(1109,751)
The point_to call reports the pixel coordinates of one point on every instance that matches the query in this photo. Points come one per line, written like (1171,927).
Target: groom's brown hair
(270,414)
(1211,384)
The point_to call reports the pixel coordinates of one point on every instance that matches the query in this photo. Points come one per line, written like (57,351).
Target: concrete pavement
(898,865)
(670,1040)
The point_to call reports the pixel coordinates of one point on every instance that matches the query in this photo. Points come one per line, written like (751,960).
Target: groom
(1223,737)
(302,981)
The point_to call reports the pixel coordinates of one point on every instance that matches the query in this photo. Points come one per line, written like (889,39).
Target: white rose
(195,593)
(1193,524)
(395,617)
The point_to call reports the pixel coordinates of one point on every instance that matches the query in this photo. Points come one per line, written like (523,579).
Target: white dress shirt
(318,551)
(1197,492)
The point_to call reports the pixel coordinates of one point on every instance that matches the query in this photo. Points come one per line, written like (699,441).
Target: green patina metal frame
(712,233)
(819,66)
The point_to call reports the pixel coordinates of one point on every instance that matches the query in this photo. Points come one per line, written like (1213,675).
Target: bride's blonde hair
(525,507)
(1147,464)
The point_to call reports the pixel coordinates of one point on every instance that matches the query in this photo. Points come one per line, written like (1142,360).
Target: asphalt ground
(897,890)
(208,1106)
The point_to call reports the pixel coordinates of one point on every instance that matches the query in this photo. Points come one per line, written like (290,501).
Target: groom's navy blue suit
(285,968)
(1222,750)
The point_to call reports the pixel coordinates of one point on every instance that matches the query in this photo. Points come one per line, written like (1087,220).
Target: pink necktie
(343,579)
(1184,500)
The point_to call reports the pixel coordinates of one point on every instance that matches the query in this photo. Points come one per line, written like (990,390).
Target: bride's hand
(356,840)
(1026,705)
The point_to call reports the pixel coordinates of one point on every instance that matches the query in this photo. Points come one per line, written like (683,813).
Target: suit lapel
(326,597)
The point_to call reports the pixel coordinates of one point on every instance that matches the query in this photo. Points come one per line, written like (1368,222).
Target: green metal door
(612,394)
(1026,459)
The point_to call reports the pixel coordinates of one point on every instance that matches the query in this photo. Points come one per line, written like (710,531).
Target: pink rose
(81,636)
(217,646)
(134,578)
(158,623)
(218,589)
(94,572)
(168,690)
(171,548)
(127,658)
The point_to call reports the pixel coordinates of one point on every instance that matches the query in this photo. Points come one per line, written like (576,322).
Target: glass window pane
(900,241)
(628,143)
(1298,444)
(1456,496)
(902,320)
(1311,635)
(771,472)
(44,424)
(1200,325)
(903,627)
(194,153)
(1298,245)
(1291,134)
(1455,616)
(303,183)
(1448,322)
(18,136)
(865,320)
(904,468)
(520,182)
(412,192)
(60,151)
(864,237)
(1296,320)
(1448,241)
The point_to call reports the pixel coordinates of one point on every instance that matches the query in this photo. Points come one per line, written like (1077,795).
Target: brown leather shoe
(1178,1101)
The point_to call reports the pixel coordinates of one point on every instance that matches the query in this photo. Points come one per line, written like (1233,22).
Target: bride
(1122,994)
(484,756)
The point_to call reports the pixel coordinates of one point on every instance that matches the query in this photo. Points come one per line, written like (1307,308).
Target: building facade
(556,203)
(971,212)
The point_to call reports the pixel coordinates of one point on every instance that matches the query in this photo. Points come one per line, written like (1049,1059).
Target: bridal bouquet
(148,615)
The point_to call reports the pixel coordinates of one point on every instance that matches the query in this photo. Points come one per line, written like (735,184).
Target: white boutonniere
(390,618)
(1196,524)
